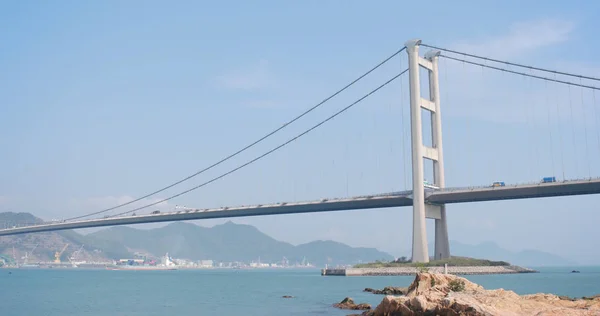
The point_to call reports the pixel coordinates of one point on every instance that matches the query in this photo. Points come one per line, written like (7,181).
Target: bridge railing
(325,200)
(513,185)
(322,200)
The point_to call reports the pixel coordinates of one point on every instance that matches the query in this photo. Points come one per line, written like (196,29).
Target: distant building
(205,263)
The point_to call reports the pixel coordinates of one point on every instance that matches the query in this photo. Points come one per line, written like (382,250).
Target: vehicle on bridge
(156,212)
(429,185)
(548,179)
(498,184)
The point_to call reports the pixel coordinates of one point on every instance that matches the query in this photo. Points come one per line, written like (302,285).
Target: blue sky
(105,101)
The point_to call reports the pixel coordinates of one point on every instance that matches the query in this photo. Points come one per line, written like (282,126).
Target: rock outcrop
(388,290)
(348,303)
(449,295)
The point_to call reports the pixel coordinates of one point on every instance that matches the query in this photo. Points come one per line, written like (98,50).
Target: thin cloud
(523,38)
(249,79)
(262,104)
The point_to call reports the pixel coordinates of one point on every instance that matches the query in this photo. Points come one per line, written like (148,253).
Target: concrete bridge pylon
(421,210)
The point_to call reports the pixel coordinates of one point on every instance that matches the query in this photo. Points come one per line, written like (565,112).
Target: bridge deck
(394,199)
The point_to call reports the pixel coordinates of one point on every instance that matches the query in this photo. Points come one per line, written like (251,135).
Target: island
(452,265)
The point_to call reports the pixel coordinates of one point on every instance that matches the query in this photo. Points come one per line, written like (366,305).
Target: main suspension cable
(248,146)
(268,152)
(514,64)
(522,73)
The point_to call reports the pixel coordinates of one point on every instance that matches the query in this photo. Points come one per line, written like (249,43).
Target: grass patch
(422,267)
(457,285)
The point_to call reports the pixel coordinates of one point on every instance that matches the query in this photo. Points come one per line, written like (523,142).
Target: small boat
(574,271)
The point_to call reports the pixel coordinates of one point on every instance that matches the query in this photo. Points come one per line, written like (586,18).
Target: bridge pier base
(442,244)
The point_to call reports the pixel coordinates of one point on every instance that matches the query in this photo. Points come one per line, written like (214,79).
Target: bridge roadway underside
(396,199)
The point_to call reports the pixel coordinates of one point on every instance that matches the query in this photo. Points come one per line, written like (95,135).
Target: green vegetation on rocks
(422,267)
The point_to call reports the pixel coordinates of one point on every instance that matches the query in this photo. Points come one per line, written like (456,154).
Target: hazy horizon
(465,248)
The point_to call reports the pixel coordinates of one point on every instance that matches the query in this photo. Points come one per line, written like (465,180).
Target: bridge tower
(422,210)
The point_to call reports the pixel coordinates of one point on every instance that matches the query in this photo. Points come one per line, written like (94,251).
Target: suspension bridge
(428,200)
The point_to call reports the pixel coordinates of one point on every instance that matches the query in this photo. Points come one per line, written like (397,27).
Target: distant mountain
(231,242)
(328,251)
(491,251)
(47,244)
(228,242)
(10,218)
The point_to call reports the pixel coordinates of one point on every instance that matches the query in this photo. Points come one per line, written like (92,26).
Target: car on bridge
(429,185)
(156,212)
(498,184)
(548,179)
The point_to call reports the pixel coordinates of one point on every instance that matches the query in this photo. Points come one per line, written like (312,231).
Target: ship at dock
(141,268)
(134,265)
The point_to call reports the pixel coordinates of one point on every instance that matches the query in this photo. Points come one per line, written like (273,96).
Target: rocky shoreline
(450,295)
(399,271)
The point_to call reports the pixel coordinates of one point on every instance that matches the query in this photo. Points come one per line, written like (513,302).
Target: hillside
(333,252)
(228,242)
(232,242)
(46,244)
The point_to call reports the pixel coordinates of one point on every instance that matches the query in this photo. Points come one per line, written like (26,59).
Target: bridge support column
(421,211)
(442,244)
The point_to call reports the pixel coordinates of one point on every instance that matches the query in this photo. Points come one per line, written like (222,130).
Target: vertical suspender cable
(391,135)
(596,118)
(378,184)
(347,171)
(574,138)
(587,152)
(345,165)
(549,127)
(402,125)
(528,144)
(470,139)
(375,149)
(490,160)
(533,130)
(561,149)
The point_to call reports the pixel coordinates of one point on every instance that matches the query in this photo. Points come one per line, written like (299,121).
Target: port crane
(26,258)
(75,254)
(58,254)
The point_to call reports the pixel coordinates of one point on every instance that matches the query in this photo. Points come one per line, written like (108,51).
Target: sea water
(59,292)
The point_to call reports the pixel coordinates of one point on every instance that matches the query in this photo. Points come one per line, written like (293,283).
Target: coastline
(407,271)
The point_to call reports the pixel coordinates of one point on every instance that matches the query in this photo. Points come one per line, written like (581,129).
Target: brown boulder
(591,298)
(449,295)
(348,303)
(388,290)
